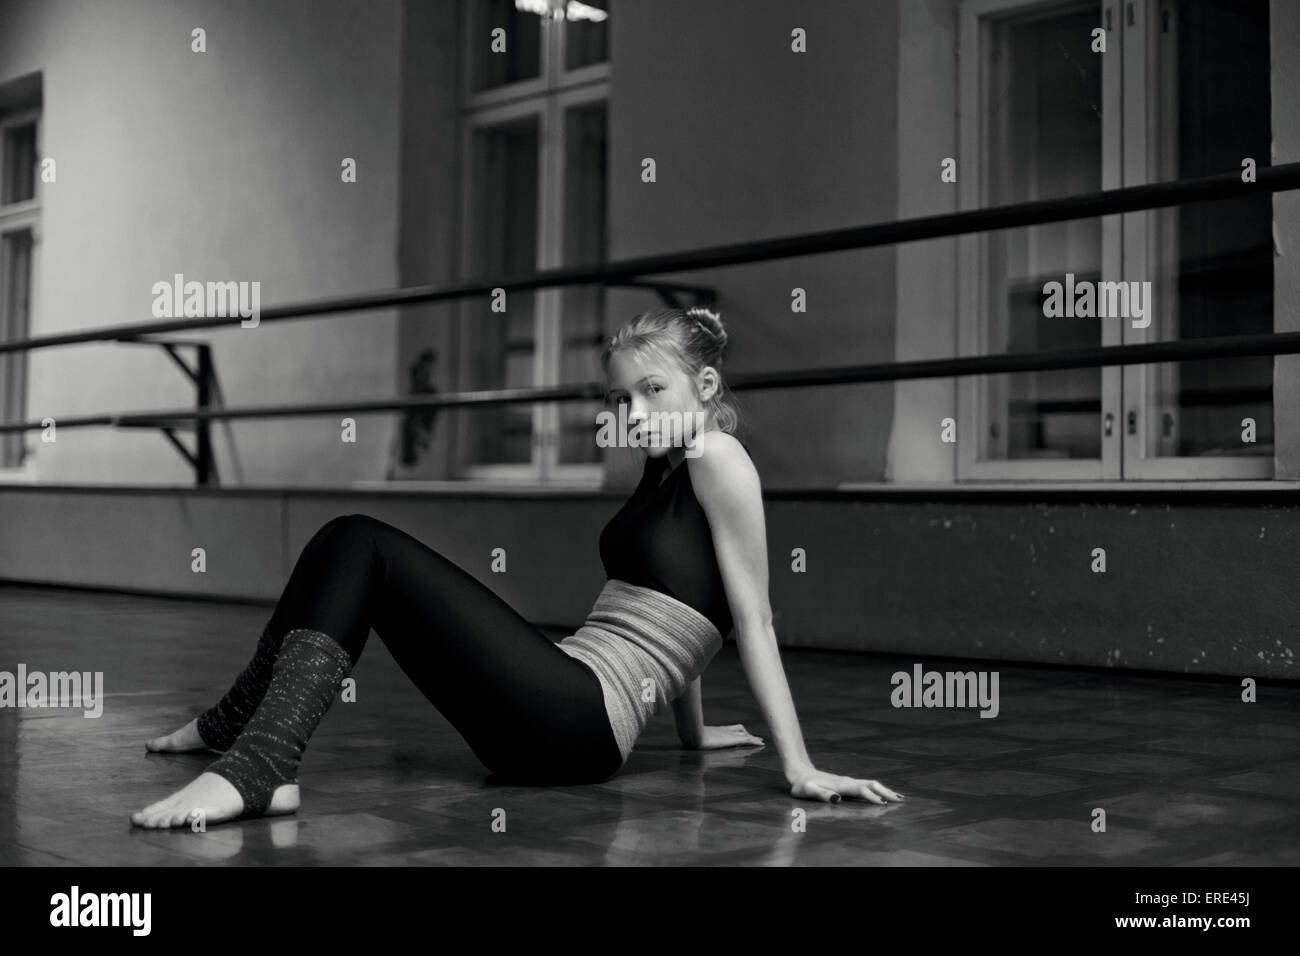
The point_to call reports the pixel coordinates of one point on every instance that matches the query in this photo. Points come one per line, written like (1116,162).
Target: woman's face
(663,408)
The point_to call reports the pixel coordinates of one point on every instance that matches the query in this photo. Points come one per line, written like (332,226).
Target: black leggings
(527,709)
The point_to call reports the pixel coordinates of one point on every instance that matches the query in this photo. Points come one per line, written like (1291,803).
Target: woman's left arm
(727,486)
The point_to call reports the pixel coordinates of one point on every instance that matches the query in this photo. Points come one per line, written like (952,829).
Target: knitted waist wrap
(645,647)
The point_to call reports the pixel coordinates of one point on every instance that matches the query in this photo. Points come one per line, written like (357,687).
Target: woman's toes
(162,819)
(156,814)
(180,741)
(210,798)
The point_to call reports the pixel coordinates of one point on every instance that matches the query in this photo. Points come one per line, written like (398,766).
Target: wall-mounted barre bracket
(202,376)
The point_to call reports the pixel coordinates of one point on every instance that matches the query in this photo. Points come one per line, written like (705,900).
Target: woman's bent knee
(351,524)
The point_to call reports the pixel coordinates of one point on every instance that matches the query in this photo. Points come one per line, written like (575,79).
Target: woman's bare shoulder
(720,461)
(725,447)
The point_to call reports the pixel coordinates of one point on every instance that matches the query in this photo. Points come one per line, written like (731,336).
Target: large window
(19,227)
(535,161)
(1182,90)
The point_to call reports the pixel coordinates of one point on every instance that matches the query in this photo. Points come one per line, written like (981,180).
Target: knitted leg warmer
(221,725)
(310,667)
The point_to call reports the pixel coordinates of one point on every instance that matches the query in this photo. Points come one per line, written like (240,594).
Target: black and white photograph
(555,434)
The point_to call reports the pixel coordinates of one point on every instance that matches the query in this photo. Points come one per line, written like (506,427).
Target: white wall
(225,165)
(754,141)
(926,271)
(221,165)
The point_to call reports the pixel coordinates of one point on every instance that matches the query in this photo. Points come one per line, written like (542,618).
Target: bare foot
(182,741)
(210,798)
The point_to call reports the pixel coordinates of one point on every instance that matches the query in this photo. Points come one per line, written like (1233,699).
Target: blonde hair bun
(711,321)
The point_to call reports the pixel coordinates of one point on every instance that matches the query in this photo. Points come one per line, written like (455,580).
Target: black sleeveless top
(660,539)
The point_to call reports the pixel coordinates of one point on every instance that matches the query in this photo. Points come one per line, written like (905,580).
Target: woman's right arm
(688,711)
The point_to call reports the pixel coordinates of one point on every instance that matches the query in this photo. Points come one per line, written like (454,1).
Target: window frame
(546,98)
(1148,132)
(19,217)
(973,327)
(1134,133)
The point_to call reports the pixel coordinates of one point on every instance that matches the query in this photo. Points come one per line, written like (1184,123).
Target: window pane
(1215,259)
(521,59)
(586,33)
(18,164)
(503,226)
(15,304)
(1044,122)
(582,307)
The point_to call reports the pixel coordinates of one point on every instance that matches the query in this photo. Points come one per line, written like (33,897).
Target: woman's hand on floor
(831,787)
(731,735)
